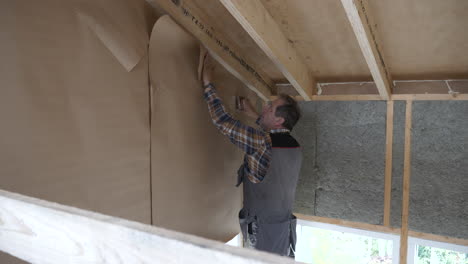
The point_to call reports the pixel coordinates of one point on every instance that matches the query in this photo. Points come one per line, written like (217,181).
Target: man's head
(283,112)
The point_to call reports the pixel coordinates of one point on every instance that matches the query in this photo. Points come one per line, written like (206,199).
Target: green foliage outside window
(431,255)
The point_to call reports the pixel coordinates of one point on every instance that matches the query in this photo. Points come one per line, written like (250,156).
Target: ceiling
(419,39)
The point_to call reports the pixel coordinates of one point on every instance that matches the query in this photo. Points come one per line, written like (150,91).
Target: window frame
(379,235)
(413,242)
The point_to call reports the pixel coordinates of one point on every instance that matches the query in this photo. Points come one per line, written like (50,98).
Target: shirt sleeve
(255,143)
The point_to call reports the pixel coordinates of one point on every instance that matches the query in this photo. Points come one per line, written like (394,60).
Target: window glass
(324,246)
(433,255)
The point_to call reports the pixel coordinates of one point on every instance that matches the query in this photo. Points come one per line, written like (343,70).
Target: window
(423,251)
(319,243)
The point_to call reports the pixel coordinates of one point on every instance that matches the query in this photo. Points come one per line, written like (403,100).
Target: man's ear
(279,121)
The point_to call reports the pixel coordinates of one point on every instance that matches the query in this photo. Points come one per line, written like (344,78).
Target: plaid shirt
(255,143)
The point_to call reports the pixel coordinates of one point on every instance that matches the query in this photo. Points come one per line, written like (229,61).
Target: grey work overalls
(266,218)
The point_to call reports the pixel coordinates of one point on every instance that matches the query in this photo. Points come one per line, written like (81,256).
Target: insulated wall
(344,161)
(439,168)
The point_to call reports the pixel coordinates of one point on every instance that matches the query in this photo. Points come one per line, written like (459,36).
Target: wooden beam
(39,231)
(438,238)
(429,97)
(264,30)
(349,97)
(359,97)
(406,185)
(404,90)
(395,97)
(188,15)
(358,15)
(388,165)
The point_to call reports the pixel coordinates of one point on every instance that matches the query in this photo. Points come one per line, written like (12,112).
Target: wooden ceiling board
(423,39)
(322,34)
(220,19)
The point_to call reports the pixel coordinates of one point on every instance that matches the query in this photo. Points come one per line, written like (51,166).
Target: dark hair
(289,111)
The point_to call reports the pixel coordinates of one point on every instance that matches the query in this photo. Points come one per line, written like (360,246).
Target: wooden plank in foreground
(38,231)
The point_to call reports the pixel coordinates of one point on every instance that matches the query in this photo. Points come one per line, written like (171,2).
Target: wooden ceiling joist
(188,15)
(394,97)
(260,25)
(358,15)
(445,90)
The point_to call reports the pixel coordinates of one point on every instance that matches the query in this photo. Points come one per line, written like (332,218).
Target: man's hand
(249,110)
(206,66)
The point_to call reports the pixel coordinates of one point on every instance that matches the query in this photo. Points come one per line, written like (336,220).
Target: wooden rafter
(264,30)
(358,15)
(188,15)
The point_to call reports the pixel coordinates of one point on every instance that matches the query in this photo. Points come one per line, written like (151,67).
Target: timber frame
(358,16)
(257,22)
(73,233)
(190,15)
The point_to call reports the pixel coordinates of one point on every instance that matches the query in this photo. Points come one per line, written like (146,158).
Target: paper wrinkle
(126,49)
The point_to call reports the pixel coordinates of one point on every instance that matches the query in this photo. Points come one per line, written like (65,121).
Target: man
(270,170)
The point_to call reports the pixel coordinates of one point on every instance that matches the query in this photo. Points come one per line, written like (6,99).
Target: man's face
(268,118)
